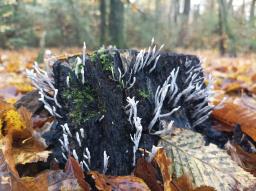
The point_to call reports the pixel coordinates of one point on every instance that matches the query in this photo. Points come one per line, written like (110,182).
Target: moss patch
(81,104)
(143,93)
(105,59)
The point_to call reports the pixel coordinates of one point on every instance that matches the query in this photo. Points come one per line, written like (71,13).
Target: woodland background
(221,32)
(224,25)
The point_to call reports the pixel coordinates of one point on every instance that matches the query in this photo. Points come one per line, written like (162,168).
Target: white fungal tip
(78,139)
(105,162)
(75,154)
(82,132)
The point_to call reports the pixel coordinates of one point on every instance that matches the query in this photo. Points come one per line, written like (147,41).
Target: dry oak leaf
(237,112)
(17,138)
(46,181)
(73,169)
(207,165)
(184,183)
(118,183)
(246,160)
(164,163)
(22,156)
(8,180)
(148,174)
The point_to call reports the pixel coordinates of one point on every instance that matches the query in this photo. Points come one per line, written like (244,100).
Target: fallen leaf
(207,165)
(148,173)
(246,160)
(185,183)
(232,86)
(22,156)
(18,138)
(39,121)
(118,183)
(74,170)
(204,188)
(9,181)
(236,112)
(182,183)
(164,163)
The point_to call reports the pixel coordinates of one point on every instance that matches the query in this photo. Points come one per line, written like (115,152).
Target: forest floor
(234,78)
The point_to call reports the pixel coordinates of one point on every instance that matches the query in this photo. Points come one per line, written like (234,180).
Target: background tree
(116,23)
(227,25)
(252,15)
(102,22)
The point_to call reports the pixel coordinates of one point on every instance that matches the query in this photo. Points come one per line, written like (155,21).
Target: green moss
(105,59)
(143,93)
(79,98)
(93,56)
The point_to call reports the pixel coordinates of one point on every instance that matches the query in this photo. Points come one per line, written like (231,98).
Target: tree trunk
(102,22)
(157,17)
(226,30)
(175,7)
(222,48)
(252,9)
(186,9)
(184,23)
(196,13)
(116,23)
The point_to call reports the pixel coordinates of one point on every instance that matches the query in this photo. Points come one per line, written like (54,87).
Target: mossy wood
(95,105)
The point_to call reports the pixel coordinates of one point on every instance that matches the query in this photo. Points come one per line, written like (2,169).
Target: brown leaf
(19,142)
(204,188)
(164,162)
(182,183)
(59,180)
(74,170)
(39,121)
(236,112)
(9,181)
(233,86)
(38,183)
(100,181)
(148,173)
(244,159)
(23,156)
(118,183)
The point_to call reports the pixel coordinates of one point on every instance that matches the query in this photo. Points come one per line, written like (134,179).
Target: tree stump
(96,106)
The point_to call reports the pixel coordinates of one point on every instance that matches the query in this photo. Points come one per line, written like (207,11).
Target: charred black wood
(93,119)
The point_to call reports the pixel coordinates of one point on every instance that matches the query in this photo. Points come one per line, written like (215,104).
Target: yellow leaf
(14,120)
